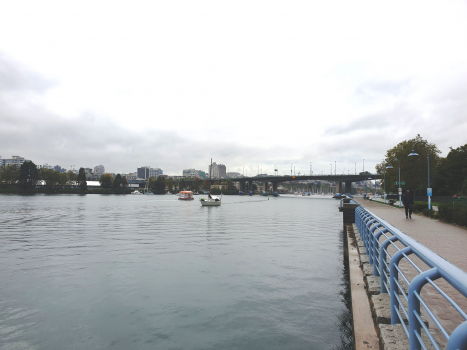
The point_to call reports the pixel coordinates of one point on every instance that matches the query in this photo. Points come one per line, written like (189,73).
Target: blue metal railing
(378,236)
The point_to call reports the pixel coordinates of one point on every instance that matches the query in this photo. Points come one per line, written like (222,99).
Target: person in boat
(209,196)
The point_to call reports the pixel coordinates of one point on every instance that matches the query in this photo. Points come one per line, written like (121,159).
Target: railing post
(367,241)
(414,305)
(393,275)
(376,262)
(382,261)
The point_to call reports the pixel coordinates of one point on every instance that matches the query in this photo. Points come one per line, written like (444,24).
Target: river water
(152,272)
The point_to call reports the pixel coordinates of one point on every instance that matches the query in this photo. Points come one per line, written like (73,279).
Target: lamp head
(413,154)
(389,167)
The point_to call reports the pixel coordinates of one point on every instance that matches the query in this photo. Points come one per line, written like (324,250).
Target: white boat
(136,192)
(211,201)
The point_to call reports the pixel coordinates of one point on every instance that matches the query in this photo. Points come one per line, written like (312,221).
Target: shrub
(429,212)
(454,214)
(418,207)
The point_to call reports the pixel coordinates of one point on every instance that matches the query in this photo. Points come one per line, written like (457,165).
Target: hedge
(455,214)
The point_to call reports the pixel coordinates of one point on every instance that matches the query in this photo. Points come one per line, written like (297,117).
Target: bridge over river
(343,182)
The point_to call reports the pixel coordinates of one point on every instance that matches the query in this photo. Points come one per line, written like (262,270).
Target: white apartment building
(15,160)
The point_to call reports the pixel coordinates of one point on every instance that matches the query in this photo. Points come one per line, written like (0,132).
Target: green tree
(51,177)
(9,174)
(117,181)
(62,178)
(169,183)
(106,180)
(464,187)
(414,170)
(151,181)
(125,181)
(206,185)
(196,184)
(230,185)
(159,186)
(28,175)
(81,180)
(451,172)
(71,177)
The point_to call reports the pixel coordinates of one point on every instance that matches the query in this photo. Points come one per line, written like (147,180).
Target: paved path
(446,240)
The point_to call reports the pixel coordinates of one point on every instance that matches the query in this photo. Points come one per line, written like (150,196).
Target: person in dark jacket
(408,203)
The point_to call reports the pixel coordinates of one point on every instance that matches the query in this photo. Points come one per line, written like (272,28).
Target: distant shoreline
(16,190)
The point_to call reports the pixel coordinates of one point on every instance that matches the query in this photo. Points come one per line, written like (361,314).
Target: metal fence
(408,271)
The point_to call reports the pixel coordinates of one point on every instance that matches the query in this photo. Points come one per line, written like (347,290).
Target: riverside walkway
(446,240)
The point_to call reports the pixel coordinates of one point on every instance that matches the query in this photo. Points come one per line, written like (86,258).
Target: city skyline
(176,84)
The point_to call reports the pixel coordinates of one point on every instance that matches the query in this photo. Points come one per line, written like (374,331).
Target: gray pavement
(446,240)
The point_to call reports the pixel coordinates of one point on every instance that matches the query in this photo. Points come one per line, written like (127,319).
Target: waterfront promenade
(446,240)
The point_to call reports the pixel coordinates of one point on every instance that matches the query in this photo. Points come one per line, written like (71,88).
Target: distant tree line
(27,177)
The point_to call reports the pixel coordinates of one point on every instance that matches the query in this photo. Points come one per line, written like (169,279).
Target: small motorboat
(185,195)
(136,192)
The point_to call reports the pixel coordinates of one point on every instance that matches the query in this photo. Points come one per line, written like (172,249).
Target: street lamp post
(399,188)
(331,167)
(413,154)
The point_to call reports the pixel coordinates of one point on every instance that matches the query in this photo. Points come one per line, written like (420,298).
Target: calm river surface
(152,272)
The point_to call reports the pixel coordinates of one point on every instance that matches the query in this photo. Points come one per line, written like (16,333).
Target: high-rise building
(59,169)
(143,172)
(99,169)
(218,170)
(146,171)
(155,172)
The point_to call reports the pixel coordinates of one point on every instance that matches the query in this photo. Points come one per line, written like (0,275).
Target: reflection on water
(151,272)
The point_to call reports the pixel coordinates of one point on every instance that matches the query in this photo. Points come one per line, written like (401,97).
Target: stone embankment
(371,309)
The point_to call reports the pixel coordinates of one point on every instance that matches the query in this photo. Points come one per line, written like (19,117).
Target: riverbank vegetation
(448,176)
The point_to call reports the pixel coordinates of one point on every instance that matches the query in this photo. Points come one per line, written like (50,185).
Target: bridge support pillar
(241,187)
(341,188)
(348,187)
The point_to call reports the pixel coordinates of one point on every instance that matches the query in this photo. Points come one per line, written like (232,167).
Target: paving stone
(381,308)
(367,269)
(364,259)
(393,337)
(373,285)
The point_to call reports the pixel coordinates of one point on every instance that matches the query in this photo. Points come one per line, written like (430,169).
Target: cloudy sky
(251,84)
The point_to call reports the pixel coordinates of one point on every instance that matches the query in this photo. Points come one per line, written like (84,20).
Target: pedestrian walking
(407,201)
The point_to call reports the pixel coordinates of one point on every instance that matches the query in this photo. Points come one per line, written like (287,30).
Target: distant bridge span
(338,179)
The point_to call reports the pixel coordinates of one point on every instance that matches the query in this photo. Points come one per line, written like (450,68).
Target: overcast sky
(251,84)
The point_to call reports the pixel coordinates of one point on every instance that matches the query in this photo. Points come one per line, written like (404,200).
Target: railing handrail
(371,227)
